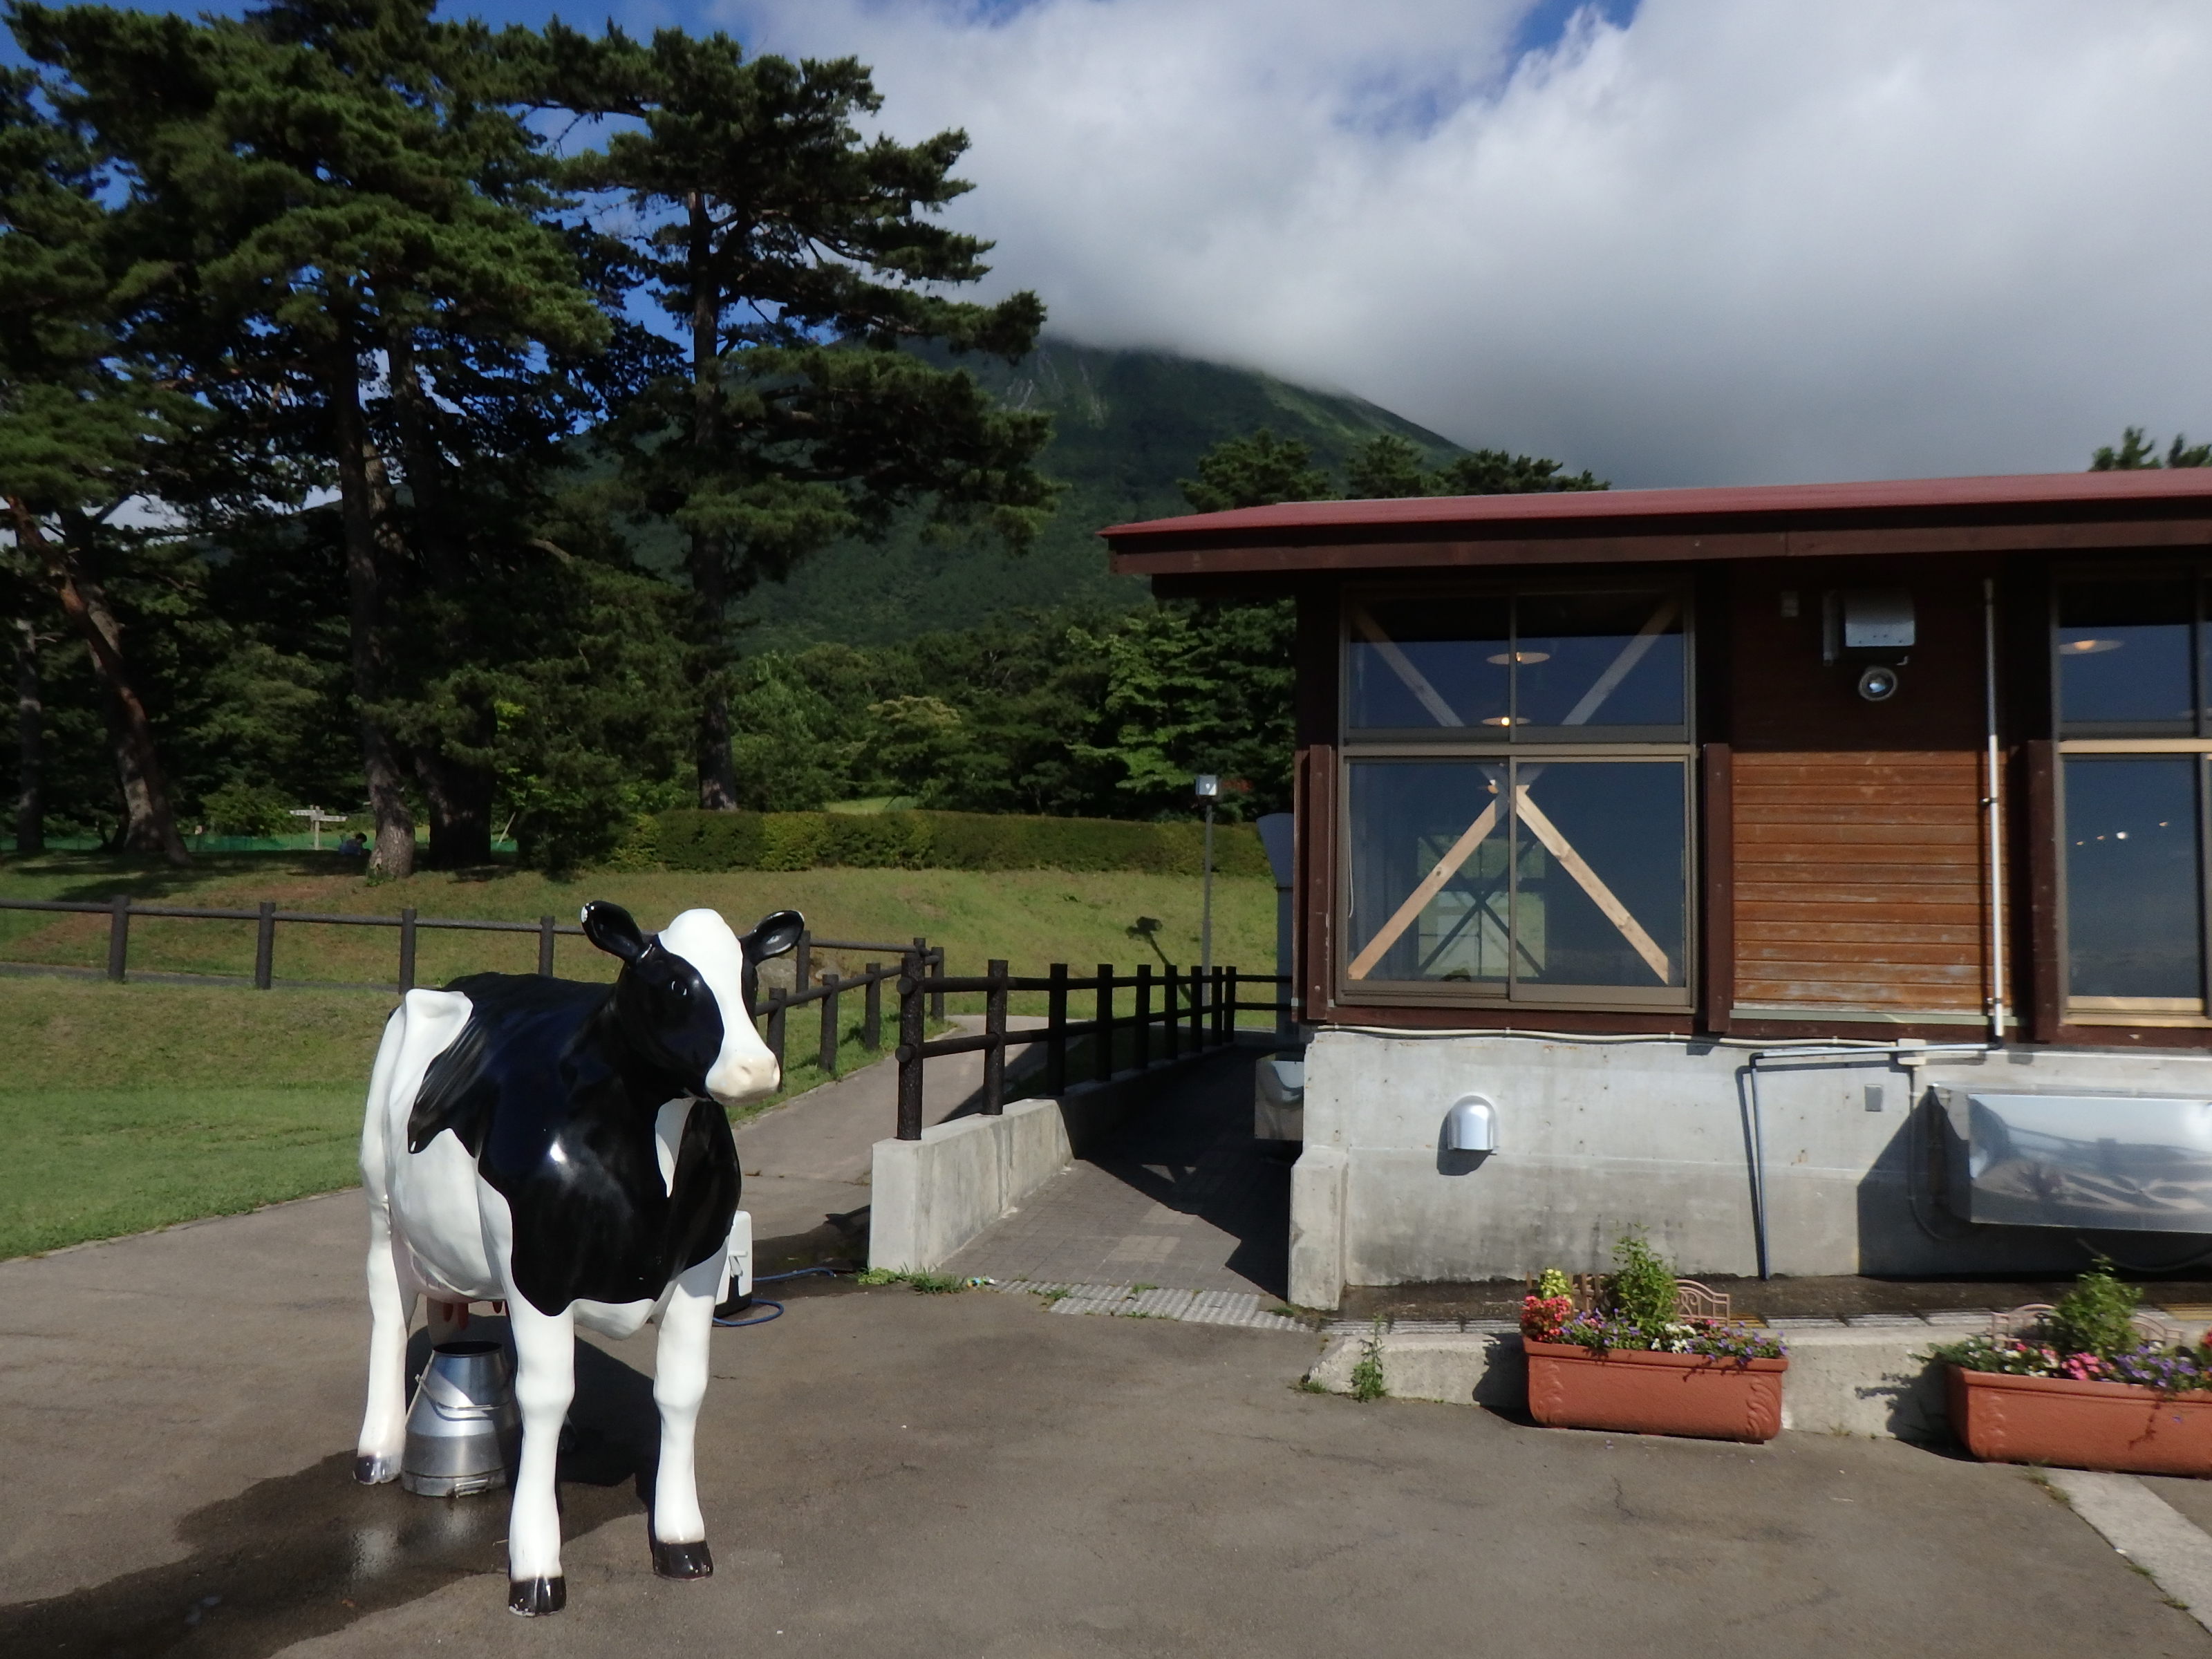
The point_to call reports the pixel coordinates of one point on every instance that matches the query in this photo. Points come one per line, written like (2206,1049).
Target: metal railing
(1197,1009)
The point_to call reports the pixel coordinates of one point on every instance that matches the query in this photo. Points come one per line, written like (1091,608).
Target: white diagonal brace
(1600,895)
(1633,654)
(1402,666)
(1431,884)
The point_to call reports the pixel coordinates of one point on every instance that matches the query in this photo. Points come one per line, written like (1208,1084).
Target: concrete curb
(931,1196)
(1874,1381)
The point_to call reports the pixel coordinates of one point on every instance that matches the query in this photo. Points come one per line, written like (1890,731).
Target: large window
(1517,798)
(2134,749)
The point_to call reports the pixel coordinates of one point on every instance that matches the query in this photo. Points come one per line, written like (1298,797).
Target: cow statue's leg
(391,1296)
(679,1384)
(545,1382)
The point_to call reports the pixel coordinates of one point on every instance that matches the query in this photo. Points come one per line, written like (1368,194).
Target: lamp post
(1208,788)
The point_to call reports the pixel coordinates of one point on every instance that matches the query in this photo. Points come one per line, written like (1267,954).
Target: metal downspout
(1910,1053)
(1993,804)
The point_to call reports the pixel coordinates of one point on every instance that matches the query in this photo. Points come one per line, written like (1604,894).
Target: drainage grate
(1239,1308)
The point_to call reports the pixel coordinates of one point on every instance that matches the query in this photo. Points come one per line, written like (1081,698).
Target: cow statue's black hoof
(375,1471)
(683,1560)
(535,1597)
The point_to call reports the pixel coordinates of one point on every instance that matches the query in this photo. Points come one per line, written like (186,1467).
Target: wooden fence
(1195,1009)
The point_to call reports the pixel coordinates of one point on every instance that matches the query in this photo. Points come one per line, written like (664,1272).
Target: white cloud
(1734,240)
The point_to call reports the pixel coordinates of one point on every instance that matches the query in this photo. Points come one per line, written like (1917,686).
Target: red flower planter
(2122,1427)
(1633,1391)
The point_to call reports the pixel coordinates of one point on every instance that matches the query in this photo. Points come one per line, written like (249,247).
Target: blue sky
(1679,241)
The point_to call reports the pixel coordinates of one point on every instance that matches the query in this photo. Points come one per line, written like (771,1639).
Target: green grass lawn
(129,1106)
(1032,918)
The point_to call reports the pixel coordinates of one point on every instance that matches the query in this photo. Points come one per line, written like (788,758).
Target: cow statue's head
(685,996)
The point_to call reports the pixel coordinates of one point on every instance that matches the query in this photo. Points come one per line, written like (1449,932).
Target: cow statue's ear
(613,930)
(773,935)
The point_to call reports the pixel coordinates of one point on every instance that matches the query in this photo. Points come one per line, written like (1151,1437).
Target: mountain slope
(1126,426)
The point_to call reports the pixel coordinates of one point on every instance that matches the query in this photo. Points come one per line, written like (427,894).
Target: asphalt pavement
(886,1473)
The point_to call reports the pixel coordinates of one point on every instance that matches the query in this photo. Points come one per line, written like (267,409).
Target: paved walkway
(1183,1198)
(956,1477)
(806,1164)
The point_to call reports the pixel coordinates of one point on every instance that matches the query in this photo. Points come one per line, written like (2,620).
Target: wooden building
(1921,761)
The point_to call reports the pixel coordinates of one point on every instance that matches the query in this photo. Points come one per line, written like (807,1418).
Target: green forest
(505,433)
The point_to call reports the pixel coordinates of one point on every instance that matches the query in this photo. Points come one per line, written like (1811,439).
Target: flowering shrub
(1699,1336)
(1638,1313)
(2169,1371)
(2091,1337)
(1542,1316)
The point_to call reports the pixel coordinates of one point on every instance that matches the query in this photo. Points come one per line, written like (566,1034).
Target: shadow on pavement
(1194,1151)
(302,1555)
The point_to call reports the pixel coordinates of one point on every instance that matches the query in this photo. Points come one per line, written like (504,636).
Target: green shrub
(245,809)
(693,840)
(1641,1288)
(690,840)
(2097,1316)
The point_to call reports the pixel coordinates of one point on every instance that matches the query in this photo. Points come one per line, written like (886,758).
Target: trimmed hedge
(699,840)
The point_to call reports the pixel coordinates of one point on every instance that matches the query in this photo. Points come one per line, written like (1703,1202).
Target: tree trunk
(459,793)
(718,776)
(30,733)
(150,822)
(360,476)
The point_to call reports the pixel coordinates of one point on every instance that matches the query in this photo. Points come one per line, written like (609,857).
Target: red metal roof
(2084,493)
(2075,512)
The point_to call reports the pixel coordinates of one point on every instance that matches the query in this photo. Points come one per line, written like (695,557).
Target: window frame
(1677,746)
(2143,1011)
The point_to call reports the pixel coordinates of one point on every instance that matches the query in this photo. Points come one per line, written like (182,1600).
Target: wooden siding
(1860,880)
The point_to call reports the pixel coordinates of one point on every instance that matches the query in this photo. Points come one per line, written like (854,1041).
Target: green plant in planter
(2097,1316)
(1641,1291)
(2090,1336)
(1640,1310)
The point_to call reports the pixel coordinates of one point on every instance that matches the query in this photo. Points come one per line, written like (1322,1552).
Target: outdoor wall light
(1877,684)
(1471,1126)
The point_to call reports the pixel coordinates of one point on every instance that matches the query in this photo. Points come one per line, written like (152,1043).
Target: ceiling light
(2089,648)
(1506,658)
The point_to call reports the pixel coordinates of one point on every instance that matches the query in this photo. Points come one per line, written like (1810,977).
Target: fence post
(909,1043)
(406,949)
(994,1027)
(937,997)
(1171,1015)
(1223,1017)
(545,947)
(1056,1023)
(872,1010)
(774,1038)
(829,1056)
(1141,1032)
(1102,1057)
(1197,1010)
(119,935)
(264,946)
(802,964)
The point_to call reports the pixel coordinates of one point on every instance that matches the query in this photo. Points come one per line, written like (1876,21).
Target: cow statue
(561,1147)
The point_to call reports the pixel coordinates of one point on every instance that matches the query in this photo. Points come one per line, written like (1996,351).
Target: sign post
(317,818)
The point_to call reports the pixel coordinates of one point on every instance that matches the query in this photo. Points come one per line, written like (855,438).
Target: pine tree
(804,266)
(82,420)
(350,205)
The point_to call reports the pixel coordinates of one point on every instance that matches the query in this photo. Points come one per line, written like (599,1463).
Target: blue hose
(770,1278)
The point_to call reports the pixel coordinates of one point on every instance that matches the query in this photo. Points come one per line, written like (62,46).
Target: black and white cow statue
(561,1147)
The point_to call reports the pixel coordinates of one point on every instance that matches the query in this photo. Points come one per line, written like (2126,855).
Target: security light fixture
(1877,684)
(1207,786)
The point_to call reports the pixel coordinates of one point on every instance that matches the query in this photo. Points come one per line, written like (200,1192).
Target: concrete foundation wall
(1594,1138)
(931,1196)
